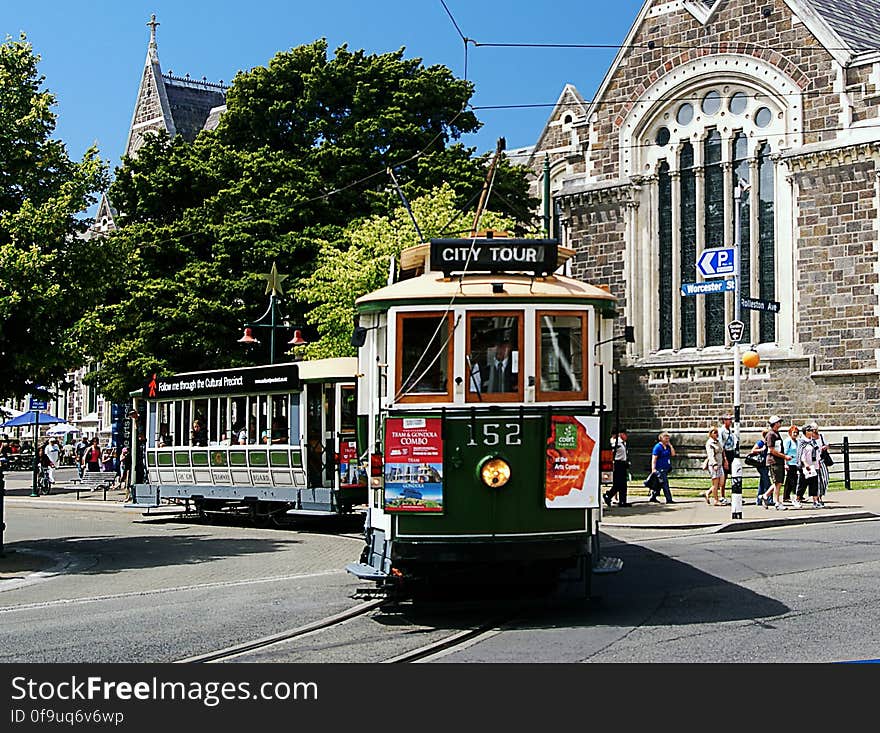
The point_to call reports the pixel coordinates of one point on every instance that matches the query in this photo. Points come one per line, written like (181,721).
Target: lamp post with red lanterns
(273,290)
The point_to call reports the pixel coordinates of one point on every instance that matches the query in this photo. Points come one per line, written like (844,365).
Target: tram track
(328,622)
(435,649)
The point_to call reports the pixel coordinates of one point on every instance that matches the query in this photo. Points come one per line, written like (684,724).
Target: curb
(736,526)
(741,525)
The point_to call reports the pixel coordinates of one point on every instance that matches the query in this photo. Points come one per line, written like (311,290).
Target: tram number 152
(495,433)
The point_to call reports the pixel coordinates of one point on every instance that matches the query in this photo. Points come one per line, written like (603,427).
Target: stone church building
(704,97)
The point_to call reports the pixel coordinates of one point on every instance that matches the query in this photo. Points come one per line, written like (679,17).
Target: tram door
(320,434)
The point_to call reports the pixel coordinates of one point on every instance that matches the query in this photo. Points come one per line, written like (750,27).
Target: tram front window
(423,356)
(561,355)
(493,356)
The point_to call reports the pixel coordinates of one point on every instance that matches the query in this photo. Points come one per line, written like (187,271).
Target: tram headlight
(495,472)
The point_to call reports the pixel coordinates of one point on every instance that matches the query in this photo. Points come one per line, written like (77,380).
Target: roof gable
(570,100)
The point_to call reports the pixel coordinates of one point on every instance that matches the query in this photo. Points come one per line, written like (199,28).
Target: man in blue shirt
(661,464)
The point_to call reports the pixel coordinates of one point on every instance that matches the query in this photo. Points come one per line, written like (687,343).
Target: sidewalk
(695,513)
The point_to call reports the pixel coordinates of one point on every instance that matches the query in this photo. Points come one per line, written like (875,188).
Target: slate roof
(191,103)
(857,22)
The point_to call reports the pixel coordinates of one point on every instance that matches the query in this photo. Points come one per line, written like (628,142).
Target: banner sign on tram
(275,378)
(413,465)
(501,254)
(571,479)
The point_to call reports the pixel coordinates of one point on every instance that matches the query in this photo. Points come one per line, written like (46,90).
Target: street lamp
(273,314)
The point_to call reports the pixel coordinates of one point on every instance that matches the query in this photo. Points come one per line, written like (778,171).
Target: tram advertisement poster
(350,471)
(413,465)
(572,463)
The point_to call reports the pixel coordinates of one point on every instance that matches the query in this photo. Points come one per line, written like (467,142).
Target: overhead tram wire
(653,46)
(465,40)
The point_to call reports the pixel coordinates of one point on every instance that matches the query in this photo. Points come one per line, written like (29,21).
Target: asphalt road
(162,590)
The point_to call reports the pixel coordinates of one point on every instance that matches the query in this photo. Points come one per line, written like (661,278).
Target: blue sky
(93,51)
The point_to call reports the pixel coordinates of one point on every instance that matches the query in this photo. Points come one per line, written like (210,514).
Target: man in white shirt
(621,469)
(53,453)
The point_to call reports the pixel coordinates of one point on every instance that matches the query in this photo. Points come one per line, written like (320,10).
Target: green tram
(265,441)
(480,413)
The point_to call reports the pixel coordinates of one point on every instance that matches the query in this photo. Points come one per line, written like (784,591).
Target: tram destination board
(277,378)
(537,256)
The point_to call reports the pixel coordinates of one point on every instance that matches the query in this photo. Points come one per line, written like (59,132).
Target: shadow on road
(97,555)
(652,589)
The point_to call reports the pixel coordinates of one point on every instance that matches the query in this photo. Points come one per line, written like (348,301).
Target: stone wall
(837,264)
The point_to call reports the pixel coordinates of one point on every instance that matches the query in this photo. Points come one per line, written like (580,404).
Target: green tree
(300,154)
(360,263)
(49,273)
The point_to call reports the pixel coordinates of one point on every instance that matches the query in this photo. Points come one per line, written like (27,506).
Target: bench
(94,480)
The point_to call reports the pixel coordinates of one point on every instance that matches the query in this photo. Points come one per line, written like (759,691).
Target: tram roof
(339,369)
(434,287)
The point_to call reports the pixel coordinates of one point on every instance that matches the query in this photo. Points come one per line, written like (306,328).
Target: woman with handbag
(714,464)
(661,465)
(809,461)
(825,460)
(757,459)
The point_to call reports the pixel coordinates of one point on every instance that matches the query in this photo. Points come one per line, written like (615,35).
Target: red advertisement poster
(413,465)
(350,471)
(571,480)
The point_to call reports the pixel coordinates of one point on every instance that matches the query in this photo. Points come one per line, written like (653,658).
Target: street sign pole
(736,466)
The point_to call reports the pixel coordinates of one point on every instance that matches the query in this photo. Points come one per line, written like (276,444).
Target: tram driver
(498,372)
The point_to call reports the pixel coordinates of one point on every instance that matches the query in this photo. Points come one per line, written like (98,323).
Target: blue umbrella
(31,417)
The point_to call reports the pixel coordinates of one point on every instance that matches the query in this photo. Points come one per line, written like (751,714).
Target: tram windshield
(424,355)
(562,354)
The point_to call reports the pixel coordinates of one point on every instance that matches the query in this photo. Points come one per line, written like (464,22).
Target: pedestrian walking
(714,464)
(759,456)
(809,461)
(53,453)
(824,459)
(621,469)
(776,461)
(727,436)
(91,460)
(81,446)
(791,495)
(661,465)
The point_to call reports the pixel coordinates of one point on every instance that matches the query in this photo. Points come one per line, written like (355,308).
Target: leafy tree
(49,274)
(300,154)
(360,263)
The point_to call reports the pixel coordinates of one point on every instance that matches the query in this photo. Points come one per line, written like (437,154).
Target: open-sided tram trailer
(299,452)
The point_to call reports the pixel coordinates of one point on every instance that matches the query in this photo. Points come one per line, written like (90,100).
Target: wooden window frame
(497,396)
(581,395)
(398,358)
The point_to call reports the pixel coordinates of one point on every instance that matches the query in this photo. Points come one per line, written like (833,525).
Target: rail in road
(435,649)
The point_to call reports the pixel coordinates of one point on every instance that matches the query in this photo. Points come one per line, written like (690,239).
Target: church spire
(153,24)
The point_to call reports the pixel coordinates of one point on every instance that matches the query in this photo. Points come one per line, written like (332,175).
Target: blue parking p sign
(716,262)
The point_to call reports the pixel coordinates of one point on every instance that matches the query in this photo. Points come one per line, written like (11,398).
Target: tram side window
(275,430)
(165,421)
(239,421)
(199,429)
(561,356)
(424,357)
(493,363)
(348,410)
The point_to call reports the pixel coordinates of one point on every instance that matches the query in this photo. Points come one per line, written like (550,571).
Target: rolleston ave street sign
(755,304)
(716,262)
(735,329)
(714,286)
